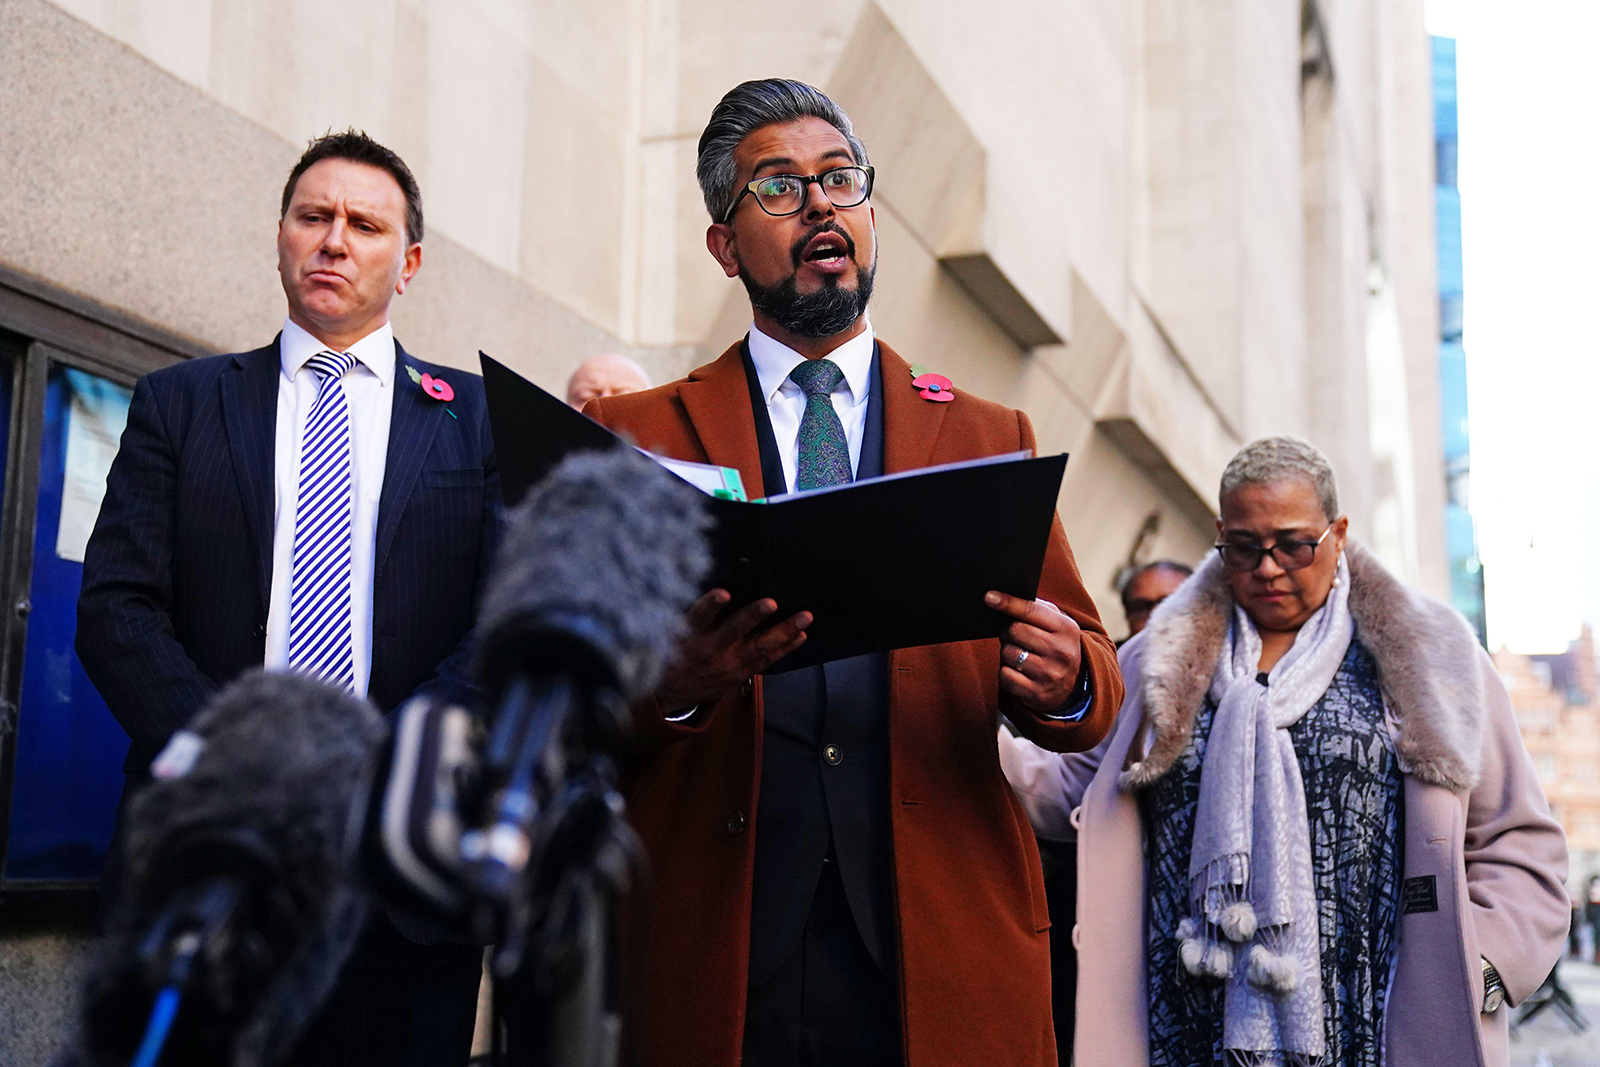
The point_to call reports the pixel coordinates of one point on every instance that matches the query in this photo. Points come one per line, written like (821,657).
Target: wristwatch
(1494,990)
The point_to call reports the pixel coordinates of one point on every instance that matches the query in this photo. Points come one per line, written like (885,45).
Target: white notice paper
(95,418)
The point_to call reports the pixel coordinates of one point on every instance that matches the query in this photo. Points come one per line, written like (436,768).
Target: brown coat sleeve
(1061,584)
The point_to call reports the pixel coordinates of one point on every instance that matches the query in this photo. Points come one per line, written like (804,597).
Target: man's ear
(724,247)
(408,269)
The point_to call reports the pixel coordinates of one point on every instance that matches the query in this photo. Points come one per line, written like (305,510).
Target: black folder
(884,563)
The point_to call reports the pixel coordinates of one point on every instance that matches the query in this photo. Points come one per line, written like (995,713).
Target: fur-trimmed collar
(1426,654)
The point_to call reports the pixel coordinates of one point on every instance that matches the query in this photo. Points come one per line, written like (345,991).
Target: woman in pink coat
(1314,835)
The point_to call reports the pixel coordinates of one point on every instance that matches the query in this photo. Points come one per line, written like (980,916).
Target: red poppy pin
(437,388)
(935,387)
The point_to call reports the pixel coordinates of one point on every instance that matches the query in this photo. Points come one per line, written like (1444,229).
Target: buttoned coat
(1483,860)
(973,965)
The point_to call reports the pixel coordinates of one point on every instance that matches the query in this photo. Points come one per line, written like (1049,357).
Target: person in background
(1148,585)
(1314,832)
(221,545)
(1591,914)
(608,374)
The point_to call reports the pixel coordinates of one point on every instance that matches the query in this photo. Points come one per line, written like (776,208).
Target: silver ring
(1022,657)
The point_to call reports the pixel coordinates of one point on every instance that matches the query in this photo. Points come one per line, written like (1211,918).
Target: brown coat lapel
(910,424)
(717,400)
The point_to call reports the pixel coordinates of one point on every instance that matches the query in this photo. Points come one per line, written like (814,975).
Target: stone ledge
(934,176)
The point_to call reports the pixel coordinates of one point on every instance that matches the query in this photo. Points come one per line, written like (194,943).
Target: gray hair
(747,108)
(1272,459)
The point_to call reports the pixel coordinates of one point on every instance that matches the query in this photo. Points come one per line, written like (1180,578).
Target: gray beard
(830,310)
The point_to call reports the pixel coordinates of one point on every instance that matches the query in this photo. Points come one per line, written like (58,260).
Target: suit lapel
(414,421)
(718,406)
(910,424)
(249,415)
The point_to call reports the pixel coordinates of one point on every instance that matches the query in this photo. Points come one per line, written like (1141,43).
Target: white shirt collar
(774,360)
(375,351)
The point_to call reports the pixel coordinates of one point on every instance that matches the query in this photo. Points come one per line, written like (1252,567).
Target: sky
(1529,114)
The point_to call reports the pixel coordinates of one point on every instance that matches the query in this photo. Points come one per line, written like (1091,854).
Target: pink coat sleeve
(1516,855)
(1051,784)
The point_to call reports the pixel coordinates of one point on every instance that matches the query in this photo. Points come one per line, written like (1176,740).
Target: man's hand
(1040,653)
(717,657)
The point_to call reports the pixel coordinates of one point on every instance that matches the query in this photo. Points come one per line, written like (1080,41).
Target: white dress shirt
(786,401)
(369,392)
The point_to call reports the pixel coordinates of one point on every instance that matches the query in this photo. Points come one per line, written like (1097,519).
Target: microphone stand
(547,871)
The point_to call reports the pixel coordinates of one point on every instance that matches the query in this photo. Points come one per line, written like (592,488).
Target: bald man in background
(1146,587)
(605,375)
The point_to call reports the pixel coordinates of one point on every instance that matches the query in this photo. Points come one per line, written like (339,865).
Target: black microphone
(238,905)
(510,825)
(598,566)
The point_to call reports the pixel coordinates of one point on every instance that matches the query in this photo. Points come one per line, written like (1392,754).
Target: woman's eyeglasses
(1290,555)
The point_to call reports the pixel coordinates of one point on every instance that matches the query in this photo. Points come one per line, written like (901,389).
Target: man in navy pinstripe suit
(329,504)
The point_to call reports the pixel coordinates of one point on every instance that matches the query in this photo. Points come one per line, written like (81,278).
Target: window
(67,368)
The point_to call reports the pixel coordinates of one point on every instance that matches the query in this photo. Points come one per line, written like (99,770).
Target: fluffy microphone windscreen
(281,760)
(609,548)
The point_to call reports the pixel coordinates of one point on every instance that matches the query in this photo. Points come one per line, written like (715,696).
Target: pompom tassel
(1238,922)
(1188,930)
(1218,960)
(1192,954)
(1272,972)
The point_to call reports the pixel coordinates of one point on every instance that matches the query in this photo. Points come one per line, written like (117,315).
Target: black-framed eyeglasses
(1290,555)
(785,194)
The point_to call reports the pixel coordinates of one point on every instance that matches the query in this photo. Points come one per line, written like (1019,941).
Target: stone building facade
(1557,702)
(1161,227)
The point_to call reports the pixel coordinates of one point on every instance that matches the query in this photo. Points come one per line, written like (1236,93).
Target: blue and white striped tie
(319,597)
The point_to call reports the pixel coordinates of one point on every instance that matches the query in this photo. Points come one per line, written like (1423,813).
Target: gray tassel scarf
(1253,909)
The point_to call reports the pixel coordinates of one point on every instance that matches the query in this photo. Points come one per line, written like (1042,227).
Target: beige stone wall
(1142,222)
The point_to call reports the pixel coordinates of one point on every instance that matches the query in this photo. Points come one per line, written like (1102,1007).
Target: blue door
(67,774)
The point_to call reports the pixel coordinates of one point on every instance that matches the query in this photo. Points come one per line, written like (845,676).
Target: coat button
(832,755)
(748,687)
(736,824)
(261,630)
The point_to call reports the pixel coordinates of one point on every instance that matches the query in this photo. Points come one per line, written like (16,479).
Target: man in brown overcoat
(841,874)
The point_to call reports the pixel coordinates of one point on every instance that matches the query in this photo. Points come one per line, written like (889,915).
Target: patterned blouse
(1354,804)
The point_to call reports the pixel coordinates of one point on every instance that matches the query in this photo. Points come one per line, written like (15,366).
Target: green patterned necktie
(824,453)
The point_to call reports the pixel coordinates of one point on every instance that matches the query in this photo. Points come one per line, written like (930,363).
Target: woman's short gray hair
(747,108)
(1272,459)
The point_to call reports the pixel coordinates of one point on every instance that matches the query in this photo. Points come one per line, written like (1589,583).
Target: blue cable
(155,1035)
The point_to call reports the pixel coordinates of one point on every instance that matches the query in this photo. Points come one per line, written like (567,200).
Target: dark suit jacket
(805,812)
(177,575)
(972,949)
